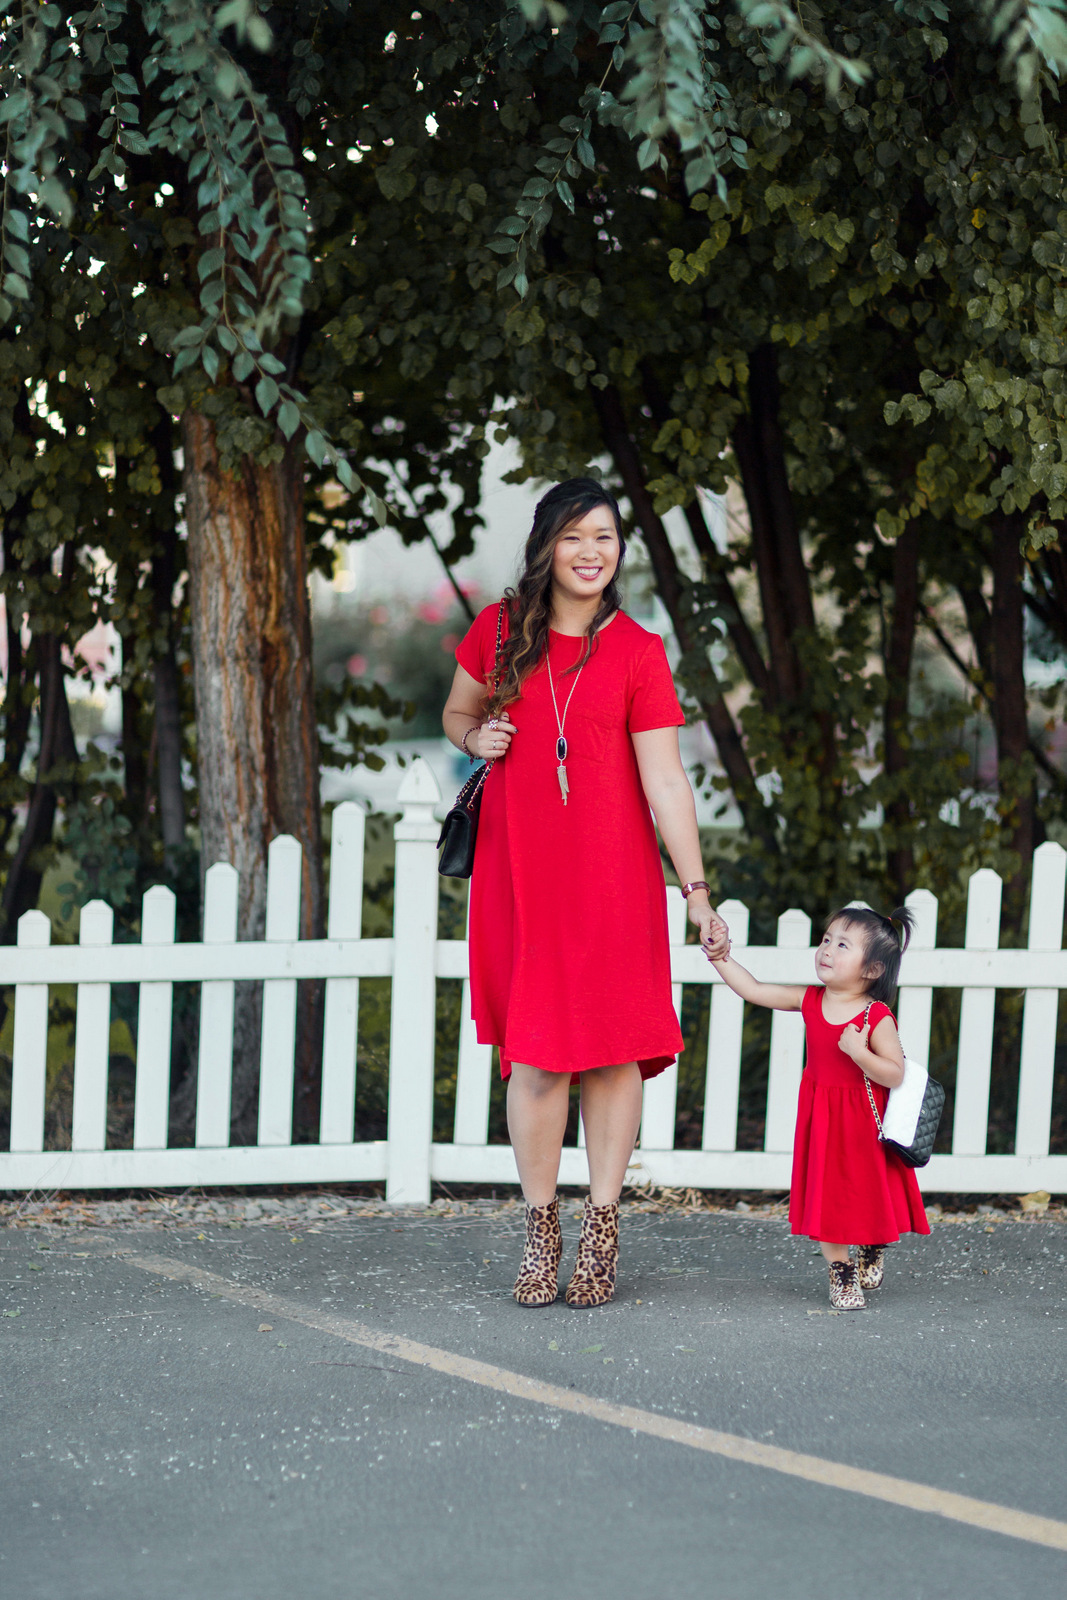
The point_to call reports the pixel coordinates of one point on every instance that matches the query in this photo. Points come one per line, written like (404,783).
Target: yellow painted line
(813,1469)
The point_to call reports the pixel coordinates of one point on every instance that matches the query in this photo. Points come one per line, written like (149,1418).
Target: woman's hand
(491,740)
(714,934)
(853,1041)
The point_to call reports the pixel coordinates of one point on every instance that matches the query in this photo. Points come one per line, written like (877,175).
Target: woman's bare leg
(538,1103)
(833,1252)
(611,1114)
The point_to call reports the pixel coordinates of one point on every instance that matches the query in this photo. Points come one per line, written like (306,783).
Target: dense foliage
(305,259)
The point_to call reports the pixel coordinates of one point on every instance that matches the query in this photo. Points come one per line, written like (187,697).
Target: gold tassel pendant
(564,786)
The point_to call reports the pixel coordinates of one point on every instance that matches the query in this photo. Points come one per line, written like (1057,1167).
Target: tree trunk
(785,592)
(899,650)
(1014,766)
(169,755)
(256,734)
(134,752)
(167,681)
(670,584)
(18,696)
(57,759)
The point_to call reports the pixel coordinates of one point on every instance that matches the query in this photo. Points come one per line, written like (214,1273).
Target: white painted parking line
(922,1497)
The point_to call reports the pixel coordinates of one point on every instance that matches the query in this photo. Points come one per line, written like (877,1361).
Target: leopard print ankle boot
(538,1281)
(845,1291)
(593,1283)
(870,1265)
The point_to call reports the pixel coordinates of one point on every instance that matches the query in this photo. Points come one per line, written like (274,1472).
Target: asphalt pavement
(242,1412)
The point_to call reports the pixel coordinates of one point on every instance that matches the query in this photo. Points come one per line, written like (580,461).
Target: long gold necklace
(561,742)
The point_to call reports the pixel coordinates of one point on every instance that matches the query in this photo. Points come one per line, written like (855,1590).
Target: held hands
(853,1041)
(490,740)
(714,934)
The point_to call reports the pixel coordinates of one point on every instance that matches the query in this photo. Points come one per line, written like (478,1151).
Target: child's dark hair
(886,939)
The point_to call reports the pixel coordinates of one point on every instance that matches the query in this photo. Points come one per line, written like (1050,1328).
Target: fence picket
(970,1121)
(1037,1059)
(214,1073)
(915,1006)
(277,1052)
(474,1074)
(722,1080)
(659,1101)
(154,1008)
(341,1023)
(787,1046)
(29,1061)
(413,1011)
(92,1031)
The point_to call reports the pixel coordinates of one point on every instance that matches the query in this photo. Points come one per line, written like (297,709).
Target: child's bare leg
(833,1252)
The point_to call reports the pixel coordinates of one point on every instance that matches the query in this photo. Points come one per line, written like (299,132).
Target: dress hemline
(650,1066)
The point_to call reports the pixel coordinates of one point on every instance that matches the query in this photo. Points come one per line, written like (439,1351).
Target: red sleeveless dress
(569,961)
(846,1187)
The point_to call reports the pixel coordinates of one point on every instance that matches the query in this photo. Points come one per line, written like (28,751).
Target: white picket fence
(408,1159)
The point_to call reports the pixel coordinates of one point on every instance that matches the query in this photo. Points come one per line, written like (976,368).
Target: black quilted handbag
(912,1113)
(459,831)
(460,828)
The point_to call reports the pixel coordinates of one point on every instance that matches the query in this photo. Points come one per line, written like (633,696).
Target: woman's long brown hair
(530,602)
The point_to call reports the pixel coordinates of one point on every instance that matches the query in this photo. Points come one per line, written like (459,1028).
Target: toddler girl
(847,1188)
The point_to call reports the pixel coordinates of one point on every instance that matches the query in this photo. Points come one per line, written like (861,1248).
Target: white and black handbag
(912,1113)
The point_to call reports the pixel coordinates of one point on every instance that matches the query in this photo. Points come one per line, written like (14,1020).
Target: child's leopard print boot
(845,1291)
(593,1283)
(538,1280)
(870,1265)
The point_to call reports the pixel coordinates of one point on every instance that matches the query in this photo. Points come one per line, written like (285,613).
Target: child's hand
(714,934)
(717,945)
(853,1041)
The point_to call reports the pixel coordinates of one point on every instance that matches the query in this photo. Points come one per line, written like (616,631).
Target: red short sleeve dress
(846,1187)
(569,962)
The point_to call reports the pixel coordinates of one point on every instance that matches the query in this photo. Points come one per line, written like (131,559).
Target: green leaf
(210,262)
(315,445)
(243,365)
(267,395)
(288,418)
(259,34)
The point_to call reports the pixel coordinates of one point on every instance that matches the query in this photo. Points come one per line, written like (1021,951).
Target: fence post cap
(284,844)
(418,786)
(794,928)
(35,929)
(97,923)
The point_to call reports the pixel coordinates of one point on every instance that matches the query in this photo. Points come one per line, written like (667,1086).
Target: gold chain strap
(867,1081)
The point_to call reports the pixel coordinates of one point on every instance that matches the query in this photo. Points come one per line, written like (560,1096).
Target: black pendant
(561,748)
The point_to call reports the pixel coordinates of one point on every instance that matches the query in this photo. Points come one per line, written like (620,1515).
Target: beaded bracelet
(464,739)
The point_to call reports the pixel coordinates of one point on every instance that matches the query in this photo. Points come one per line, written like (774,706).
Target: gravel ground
(311,1207)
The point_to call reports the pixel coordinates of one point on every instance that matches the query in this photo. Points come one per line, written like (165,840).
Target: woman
(570,968)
